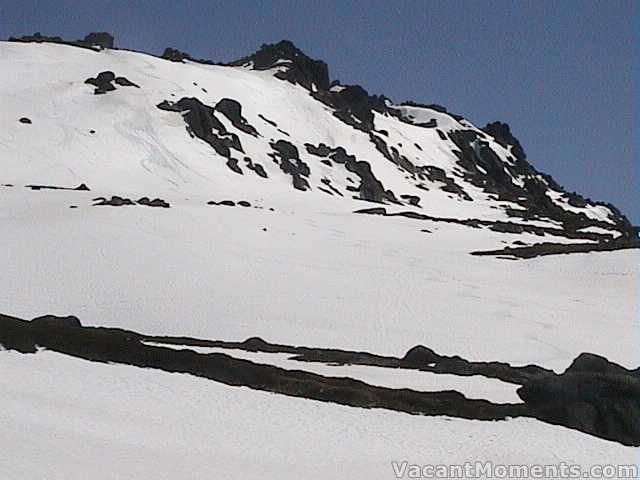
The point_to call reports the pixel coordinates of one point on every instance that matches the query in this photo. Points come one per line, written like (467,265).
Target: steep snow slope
(445,164)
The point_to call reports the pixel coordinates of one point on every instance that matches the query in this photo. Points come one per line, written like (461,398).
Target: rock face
(502,133)
(593,395)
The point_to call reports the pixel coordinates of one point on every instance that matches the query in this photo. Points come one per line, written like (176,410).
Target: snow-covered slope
(336,143)
(296,266)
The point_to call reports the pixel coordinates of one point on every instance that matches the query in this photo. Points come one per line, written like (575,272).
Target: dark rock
(591,363)
(255,167)
(332,189)
(420,355)
(437,174)
(114,201)
(270,122)
(37,38)
(354,106)
(156,202)
(550,248)
(433,106)
(233,111)
(124,82)
(392,154)
(175,55)
(259,169)
(593,395)
(298,68)
(373,211)
(100,39)
(412,199)
(92,41)
(244,203)
(25,120)
(502,134)
(370,189)
(232,163)
(201,123)
(52,321)
(290,163)
(79,188)
(109,346)
(102,82)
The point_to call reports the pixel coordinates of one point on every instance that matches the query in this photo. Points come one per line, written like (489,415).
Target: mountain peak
(298,67)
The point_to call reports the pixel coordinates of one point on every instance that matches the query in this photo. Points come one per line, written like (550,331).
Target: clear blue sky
(563,74)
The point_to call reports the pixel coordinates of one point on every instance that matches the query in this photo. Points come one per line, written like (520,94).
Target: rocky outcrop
(175,55)
(352,104)
(433,106)
(255,167)
(593,395)
(551,248)
(484,168)
(287,157)
(99,39)
(203,124)
(370,188)
(295,66)
(94,40)
(233,111)
(501,132)
(116,201)
(104,82)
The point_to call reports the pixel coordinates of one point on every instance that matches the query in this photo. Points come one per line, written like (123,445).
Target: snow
(68,419)
(139,149)
(600,231)
(318,276)
(323,278)
(595,212)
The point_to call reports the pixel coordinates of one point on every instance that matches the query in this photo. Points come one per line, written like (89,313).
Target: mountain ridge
(489,159)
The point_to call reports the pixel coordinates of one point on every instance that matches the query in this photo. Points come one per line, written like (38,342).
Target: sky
(563,74)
